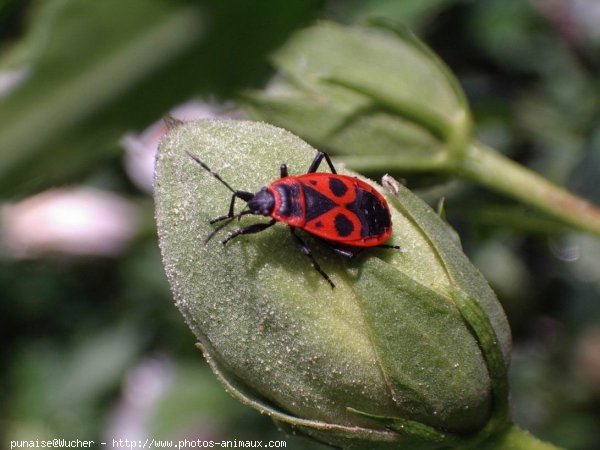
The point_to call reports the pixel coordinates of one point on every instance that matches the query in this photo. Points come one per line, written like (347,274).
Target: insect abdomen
(346,210)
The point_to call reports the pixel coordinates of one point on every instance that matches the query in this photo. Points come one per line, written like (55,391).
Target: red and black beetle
(345,212)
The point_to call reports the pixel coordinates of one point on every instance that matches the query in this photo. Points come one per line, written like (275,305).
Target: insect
(347,214)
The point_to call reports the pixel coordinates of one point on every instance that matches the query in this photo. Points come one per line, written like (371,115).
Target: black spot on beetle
(337,187)
(343,225)
(319,224)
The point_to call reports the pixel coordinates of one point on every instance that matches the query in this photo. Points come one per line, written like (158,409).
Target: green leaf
(83,57)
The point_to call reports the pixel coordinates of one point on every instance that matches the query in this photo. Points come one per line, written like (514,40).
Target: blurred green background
(92,346)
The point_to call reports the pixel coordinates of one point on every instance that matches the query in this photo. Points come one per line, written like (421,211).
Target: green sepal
(445,244)
(425,353)
(417,430)
(379,112)
(479,324)
(441,208)
(374,62)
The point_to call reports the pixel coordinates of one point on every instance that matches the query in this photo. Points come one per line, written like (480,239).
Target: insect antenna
(208,169)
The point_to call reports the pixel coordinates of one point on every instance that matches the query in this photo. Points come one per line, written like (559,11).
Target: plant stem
(514,438)
(486,166)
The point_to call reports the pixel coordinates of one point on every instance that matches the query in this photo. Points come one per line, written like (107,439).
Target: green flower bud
(410,348)
(380,99)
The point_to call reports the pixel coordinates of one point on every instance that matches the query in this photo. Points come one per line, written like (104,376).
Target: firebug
(347,214)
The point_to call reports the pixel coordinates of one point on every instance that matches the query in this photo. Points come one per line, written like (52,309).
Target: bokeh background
(91,344)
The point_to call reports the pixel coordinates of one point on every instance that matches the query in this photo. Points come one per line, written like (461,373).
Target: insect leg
(229,214)
(345,251)
(350,252)
(317,161)
(283,172)
(237,194)
(389,247)
(224,224)
(250,229)
(216,230)
(306,250)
